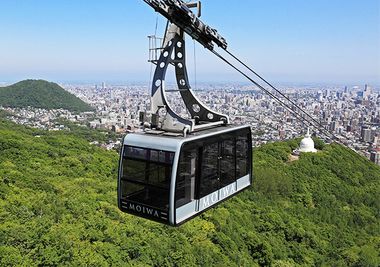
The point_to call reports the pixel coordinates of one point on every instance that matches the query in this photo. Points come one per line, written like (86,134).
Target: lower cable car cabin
(173,179)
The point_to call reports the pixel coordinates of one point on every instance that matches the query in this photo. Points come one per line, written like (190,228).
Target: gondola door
(217,172)
(227,162)
(209,169)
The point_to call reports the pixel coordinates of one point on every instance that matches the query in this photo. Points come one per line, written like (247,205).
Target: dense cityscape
(141,133)
(351,113)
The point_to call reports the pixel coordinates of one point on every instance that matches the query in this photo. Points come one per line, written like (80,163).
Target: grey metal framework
(179,13)
(173,52)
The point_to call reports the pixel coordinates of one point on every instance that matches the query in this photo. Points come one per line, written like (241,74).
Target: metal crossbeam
(179,13)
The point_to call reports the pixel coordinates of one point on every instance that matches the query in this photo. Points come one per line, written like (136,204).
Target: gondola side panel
(187,208)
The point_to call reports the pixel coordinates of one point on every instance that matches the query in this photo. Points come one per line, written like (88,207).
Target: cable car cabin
(173,179)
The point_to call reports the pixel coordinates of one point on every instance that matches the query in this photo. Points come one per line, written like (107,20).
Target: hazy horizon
(200,83)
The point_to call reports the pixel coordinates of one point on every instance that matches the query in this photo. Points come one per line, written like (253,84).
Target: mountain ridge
(40,94)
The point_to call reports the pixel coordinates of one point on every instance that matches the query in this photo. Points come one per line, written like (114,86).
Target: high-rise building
(375,157)
(360,95)
(333,126)
(367,92)
(366,134)
(326,93)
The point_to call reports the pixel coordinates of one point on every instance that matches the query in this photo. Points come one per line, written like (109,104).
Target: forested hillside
(40,94)
(58,207)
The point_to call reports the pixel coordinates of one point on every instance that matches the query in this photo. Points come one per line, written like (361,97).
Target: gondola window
(146,175)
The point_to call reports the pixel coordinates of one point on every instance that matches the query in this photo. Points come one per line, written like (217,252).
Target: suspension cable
(195,66)
(274,88)
(298,115)
(154,45)
(283,95)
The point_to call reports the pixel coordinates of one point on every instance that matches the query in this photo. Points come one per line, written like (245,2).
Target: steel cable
(325,132)
(282,94)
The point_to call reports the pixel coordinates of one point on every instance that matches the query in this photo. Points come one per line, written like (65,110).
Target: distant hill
(58,208)
(40,94)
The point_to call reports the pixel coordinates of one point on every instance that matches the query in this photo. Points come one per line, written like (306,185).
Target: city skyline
(292,41)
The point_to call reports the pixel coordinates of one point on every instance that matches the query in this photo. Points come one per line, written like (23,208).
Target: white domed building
(306,145)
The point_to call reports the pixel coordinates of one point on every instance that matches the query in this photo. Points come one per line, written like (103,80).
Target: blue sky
(324,41)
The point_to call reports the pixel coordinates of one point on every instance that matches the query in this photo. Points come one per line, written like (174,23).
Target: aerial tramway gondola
(177,168)
(173,179)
